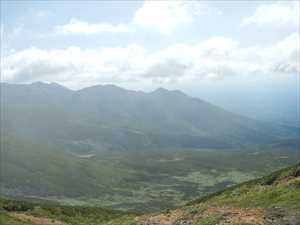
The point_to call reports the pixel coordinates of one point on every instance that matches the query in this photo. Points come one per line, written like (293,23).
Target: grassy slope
(145,180)
(270,200)
(279,190)
(75,215)
(6,219)
(276,196)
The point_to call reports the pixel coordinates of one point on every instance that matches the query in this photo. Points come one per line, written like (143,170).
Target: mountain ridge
(115,141)
(158,112)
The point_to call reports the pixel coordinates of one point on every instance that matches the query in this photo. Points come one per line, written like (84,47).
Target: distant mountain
(115,118)
(101,144)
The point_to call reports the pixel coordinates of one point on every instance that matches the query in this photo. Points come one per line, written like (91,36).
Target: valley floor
(271,200)
(143,180)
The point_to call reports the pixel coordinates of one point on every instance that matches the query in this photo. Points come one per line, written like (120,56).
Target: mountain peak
(160,89)
(37,83)
(105,87)
(48,85)
(164,91)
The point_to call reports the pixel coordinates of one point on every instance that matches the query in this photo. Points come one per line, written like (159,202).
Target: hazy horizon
(150,112)
(228,53)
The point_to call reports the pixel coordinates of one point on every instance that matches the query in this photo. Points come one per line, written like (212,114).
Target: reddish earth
(229,216)
(160,219)
(288,181)
(239,215)
(177,217)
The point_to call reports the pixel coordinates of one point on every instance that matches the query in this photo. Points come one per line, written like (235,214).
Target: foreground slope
(271,200)
(32,212)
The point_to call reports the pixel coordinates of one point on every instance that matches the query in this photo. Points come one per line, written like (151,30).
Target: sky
(231,53)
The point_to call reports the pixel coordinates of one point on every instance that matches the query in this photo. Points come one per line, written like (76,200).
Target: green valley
(149,112)
(143,180)
(273,199)
(105,146)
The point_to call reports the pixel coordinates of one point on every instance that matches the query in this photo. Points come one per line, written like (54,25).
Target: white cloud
(285,55)
(77,26)
(278,14)
(216,58)
(72,63)
(166,16)
(162,16)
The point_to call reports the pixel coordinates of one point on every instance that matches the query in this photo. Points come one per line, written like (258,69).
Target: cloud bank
(81,27)
(161,16)
(166,16)
(215,58)
(278,15)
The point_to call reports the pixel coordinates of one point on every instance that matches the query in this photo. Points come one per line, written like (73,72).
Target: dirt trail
(229,216)
(160,219)
(239,215)
(37,220)
(177,217)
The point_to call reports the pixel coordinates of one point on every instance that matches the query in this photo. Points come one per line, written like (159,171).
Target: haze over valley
(154,112)
(130,149)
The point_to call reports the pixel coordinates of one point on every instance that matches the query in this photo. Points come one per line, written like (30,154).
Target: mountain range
(112,117)
(108,146)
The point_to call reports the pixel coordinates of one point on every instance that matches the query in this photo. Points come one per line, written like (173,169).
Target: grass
(144,180)
(279,189)
(75,215)
(5,219)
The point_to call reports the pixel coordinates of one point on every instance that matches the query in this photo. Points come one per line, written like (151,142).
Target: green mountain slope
(108,146)
(109,117)
(144,179)
(25,212)
(281,188)
(273,199)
